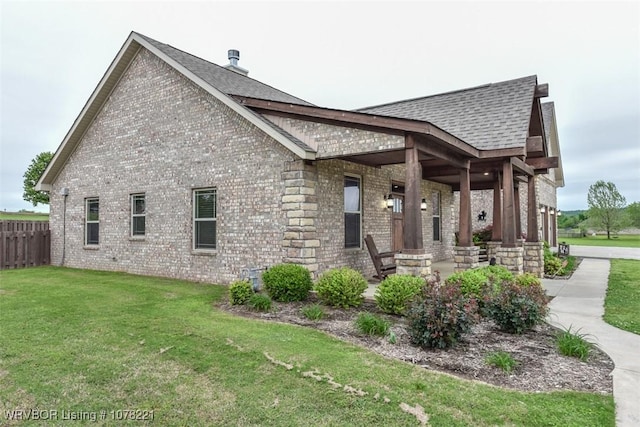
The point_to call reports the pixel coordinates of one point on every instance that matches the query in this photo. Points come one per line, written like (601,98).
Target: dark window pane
(205,235)
(93,210)
(138,205)
(93,233)
(351,230)
(436,228)
(138,226)
(206,204)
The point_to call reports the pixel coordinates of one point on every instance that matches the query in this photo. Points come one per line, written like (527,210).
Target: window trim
(194,220)
(87,221)
(132,199)
(359,212)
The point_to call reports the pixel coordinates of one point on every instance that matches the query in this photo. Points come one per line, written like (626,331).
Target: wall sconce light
(389,201)
(423,204)
(559,212)
(551,211)
(542,209)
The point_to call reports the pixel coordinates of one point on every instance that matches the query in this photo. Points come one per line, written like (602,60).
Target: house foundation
(414,264)
(466,257)
(492,249)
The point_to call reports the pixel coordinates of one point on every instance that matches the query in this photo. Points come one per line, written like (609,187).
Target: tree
(606,206)
(633,213)
(31,177)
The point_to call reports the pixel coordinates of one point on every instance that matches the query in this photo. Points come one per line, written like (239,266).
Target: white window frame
(359,212)
(88,222)
(195,193)
(133,198)
(436,213)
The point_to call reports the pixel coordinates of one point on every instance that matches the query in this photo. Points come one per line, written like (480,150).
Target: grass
(621,241)
(313,312)
(622,302)
(23,216)
(502,360)
(90,341)
(574,344)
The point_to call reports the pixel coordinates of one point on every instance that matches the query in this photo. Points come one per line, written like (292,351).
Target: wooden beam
(508,207)
(464,232)
(542,90)
(381,124)
(496,231)
(412,230)
(516,206)
(441,153)
(543,162)
(503,152)
(535,145)
(521,166)
(532,212)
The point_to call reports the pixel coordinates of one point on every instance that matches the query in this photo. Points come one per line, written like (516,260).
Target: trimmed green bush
(440,316)
(240,292)
(259,302)
(516,309)
(341,287)
(287,282)
(470,282)
(370,324)
(396,292)
(496,274)
(528,279)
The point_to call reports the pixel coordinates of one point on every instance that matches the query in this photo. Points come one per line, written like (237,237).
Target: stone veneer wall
(161,135)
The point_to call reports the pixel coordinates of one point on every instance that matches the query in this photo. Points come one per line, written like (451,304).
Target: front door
(397,223)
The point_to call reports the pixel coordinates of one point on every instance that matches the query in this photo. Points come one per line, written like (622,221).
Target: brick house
(181,168)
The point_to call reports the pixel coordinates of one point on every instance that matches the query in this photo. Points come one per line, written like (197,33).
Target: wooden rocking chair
(383,269)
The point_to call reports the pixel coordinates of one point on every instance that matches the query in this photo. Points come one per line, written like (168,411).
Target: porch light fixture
(559,212)
(486,174)
(551,211)
(542,209)
(423,204)
(389,200)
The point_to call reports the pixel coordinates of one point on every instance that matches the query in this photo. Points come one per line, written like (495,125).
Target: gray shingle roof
(492,116)
(226,81)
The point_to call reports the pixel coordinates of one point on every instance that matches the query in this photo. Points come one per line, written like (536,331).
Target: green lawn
(23,216)
(87,341)
(622,303)
(622,241)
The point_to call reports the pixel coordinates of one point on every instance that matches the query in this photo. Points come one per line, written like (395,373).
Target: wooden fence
(24,244)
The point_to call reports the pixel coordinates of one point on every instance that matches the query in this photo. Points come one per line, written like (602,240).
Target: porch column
(533,250)
(508,208)
(509,255)
(412,235)
(516,205)
(496,231)
(465,255)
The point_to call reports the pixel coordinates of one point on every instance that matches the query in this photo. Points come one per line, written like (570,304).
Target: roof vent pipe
(234,57)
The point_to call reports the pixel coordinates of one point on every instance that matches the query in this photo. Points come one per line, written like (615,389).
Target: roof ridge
(451,92)
(221,67)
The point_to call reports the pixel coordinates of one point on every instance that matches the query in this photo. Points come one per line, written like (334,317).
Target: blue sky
(341,55)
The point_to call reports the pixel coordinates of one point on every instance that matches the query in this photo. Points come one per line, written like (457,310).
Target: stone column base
(511,258)
(534,258)
(466,257)
(414,264)
(492,248)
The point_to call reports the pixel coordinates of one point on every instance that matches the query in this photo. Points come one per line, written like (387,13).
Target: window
(92,221)
(204,219)
(435,203)
(352,212)
(138,214)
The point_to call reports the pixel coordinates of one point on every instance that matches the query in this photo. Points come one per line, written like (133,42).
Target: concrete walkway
(579,304)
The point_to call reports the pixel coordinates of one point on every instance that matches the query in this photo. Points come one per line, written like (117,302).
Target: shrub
(396,292)
(516,309)
(470,282)
(496,274)
(552,264)
(341,287)
(259,302)
(527,279)
(287,282)
(370,324)
(574,344)
(240,292)
(313,312)
(502,360)
(441,315)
